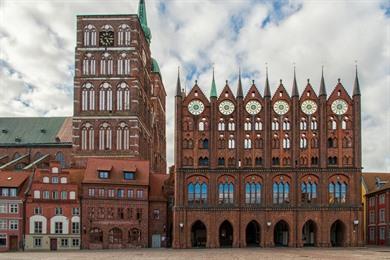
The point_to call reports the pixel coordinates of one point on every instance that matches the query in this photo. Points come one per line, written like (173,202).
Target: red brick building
(123,205)
(262,170)
(377,200)
(53,209)
(12,199)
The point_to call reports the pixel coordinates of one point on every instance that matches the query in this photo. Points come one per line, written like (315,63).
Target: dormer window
(103,174)
(129,175)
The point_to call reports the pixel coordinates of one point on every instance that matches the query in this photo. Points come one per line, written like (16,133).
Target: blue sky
(37,52)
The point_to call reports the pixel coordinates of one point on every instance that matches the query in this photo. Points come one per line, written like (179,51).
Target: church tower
(119,96)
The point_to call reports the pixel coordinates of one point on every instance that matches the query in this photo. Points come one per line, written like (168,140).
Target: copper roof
(13,179)
(370,180)
(117,167)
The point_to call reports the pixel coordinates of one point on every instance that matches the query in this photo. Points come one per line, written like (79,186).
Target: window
(105,97)
(156,214)
(55,195)
(13,208)
(58,228)
(58,211)
(75,242)
(120,193)
(37,211)
(75,211)
(129,175)
(3,208)
(124,35)
(103,174)
(3,240)
(197,193)
(38,227)
(337,192)
(123,97)
(13,224)
(253,193)
(89,35)
(308,191)
(105,137)
(381,215)
(281,192)
(226,192)
(111,193)
(130,193)
(64,242)
(54,179)
(91,192)
(140,194)
(64,195)
(3,224)
(87,137)
(123,64)
(75,227)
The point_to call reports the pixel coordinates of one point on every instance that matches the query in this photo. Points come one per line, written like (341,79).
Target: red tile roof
(13,179)
(370,181)
(117,167)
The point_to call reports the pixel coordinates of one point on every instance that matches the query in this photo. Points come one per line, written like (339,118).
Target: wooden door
(53,244)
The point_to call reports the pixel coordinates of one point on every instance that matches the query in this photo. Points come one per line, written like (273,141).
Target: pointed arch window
(226,193)
(105,97)
(124,35)
(123,64)
(123,97)
(87,137)
(281,192)
(89,35)
(253,193)
(123,137)
(89,64)
(87,97)
(105,137)
(106,64)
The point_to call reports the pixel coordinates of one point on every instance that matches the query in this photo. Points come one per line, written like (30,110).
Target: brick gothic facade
(119,96)
(267,173)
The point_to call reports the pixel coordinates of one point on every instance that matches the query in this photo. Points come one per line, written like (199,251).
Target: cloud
(37,52)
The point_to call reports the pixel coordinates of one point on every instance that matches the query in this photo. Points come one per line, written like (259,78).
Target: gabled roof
(117,167)
(24,131)
(370,181)
(13,179)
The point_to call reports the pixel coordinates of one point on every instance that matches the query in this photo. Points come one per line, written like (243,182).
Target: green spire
(143,20)
(213,92)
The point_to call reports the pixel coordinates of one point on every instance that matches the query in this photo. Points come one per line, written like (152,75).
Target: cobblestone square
(212,254)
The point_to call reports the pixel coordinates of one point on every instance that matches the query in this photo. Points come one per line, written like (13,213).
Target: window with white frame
(105,97)
(123,64)
(124,35)
(105,137)
(87,97)
(89,35)
(106,64)
(123,97)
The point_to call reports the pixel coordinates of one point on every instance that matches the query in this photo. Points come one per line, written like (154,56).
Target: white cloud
(37,40)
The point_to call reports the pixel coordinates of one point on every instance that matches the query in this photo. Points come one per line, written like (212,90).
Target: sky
(37,42)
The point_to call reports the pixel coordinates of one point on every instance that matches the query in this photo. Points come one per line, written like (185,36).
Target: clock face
(106,38)
(253,107)
(196,107)
(281,107)
(339,107)
(309,107)
(226,107)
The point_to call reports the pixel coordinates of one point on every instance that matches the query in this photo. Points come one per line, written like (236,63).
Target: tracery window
(105,135)
(87,97)
(105,97)
(123,137)
(226,192)
(124,35)
(123,97)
